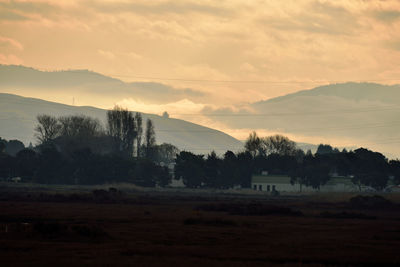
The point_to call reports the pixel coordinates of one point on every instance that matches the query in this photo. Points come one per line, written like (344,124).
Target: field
(74,226)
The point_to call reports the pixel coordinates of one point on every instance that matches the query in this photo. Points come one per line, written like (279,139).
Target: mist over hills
(344,115)
(18,119)
(64,85)
(349,114)
(358,92)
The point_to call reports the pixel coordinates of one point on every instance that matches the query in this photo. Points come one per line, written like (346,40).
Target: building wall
(281,187)
(287,187)
(176,183)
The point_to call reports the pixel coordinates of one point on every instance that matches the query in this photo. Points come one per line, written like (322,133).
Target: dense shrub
(253,209)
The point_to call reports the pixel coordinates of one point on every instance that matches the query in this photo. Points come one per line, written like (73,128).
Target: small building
(15,179)
(176,183)
(281,183)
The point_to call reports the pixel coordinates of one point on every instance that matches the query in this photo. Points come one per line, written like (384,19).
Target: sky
(233,52)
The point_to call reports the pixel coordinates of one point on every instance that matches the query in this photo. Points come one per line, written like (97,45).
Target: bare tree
(48,128)
(166,153)
(121,126)
(80,126)
(279,144)
(129,132)
(139,129)
(253,144)
(150,139)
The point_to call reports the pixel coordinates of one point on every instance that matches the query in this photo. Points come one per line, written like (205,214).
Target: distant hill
(18,118)
(344,115)
(84,85)
(359,92)
(352,114)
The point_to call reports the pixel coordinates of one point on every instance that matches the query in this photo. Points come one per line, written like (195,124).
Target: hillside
(83,86)
(344,115)
(349,114)
(18,118)
(358,92)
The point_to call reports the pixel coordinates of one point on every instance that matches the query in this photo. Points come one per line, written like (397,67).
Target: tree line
(80,150)
(278,155)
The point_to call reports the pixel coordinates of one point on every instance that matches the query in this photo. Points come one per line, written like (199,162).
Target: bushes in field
(250,209)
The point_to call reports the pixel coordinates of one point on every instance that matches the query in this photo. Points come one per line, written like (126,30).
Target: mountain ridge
(344,114)
(18,117)
(23,80)
(349,114)
(338,90)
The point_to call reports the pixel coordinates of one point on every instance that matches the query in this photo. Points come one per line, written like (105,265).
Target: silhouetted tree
(190,168)
(26,164)
(2,145)
(145,173)
(148,174)
(344,163)
(370,169)
(299,155)
(52,166)
(121,126)
(279,144)
(48,128)
(324,149)
(279,164)
(253,144)
(139,128)
(165,153)
(230,170)
(13,147)
(80,132)
(245,168)
(150,140)
(6,166)
(395,170)
(80,126)
(163,177)
(311,172)
(212,170)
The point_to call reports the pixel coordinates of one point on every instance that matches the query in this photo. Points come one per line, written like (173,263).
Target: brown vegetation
(176,229)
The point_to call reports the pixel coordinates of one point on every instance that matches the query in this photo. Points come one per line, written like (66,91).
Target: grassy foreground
(71,225)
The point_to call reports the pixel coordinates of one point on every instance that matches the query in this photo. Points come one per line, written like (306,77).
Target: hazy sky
(289,45)
(233,51)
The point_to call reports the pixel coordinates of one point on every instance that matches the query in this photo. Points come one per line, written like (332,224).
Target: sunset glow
(227,53)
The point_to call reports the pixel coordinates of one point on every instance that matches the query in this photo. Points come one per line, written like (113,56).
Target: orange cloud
(232,52)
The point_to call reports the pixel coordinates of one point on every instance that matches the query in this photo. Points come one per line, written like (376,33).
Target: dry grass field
(51,227)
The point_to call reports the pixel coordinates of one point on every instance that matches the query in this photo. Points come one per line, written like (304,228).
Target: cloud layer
(227,52)
(287,45)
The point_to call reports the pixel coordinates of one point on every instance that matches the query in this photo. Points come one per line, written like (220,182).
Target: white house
(16,179)
(281,183)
